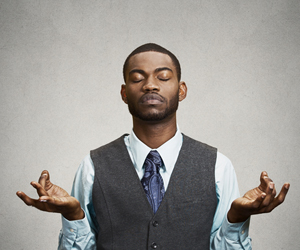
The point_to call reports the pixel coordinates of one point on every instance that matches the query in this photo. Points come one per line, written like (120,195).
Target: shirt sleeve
(226,235)
(81,234)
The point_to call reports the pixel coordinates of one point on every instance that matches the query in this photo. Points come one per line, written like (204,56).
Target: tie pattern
(152,181)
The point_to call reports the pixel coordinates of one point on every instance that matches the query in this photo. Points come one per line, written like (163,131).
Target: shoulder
(223,161)
(193,143)
(224,170)
(224,166)
(86,165)
(85,172)
(109,146)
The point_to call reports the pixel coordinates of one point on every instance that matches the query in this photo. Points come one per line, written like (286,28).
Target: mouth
(151,98)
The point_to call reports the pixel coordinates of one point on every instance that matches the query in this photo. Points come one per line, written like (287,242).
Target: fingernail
(44,174)
(263,196)
(287,186)
(271,185)
(43,200)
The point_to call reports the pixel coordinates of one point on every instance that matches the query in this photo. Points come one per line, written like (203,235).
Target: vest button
(153,245)
(155,223)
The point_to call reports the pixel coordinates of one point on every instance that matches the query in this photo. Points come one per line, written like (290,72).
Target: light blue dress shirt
(80,234)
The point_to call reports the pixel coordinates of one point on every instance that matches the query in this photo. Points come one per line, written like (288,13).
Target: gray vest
(125,217)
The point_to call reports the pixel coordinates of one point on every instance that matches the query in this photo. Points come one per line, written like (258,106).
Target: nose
(151,85)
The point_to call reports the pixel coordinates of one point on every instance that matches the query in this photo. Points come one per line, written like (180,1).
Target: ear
(182,91)
(123,93)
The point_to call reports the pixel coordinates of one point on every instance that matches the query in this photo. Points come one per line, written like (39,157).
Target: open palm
(53,198)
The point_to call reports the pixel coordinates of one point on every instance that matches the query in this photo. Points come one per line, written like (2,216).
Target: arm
(232,233)
(78,233)
(226,235)
(81,234)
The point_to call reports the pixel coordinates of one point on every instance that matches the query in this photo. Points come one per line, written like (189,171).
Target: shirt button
(243,232)
(154,245)
(72,230)
(155,223)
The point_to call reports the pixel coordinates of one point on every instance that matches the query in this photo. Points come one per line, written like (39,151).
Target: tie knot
(154,156)
(153,162)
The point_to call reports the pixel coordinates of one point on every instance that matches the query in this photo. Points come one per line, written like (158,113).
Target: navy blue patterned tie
(152,181)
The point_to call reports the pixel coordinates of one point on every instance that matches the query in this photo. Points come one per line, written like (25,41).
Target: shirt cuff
(236,231)
(76,228)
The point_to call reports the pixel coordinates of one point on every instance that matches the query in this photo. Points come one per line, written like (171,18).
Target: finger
(281,196)
(264,181)
(39,188)
(56,204)
(27,200)
(43,178)
(51,200)
(258,201)
(271,193)
(39,204)
(279,199)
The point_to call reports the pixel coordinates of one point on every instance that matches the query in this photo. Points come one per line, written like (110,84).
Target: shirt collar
(168,151)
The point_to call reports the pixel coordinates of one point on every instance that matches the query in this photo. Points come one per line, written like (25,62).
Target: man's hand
(53,198)
(258,200)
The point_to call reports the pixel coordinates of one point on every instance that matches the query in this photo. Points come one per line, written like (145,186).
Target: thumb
(258,201)
(44,180)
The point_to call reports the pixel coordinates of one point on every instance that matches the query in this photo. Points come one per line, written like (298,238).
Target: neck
(154,134)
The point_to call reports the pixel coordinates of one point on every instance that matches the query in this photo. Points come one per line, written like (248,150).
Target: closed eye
(164,79)
(136,81)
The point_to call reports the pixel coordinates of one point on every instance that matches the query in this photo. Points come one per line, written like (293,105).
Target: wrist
(78,214)
(236,217)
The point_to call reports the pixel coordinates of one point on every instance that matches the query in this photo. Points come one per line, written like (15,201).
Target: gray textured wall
(60,76)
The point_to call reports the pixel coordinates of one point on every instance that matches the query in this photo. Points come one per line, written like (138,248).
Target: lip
(151,99)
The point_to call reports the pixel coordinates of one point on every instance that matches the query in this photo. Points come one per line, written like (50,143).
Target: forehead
(149,61)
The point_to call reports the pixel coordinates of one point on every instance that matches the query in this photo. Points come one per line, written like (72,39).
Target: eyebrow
(162,69)
(156,70)
(136,71)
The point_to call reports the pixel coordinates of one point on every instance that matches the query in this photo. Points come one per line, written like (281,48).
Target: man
(155,188)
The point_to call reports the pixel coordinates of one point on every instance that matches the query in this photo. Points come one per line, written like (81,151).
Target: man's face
(152,90)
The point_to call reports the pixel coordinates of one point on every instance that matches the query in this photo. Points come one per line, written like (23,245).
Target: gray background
(61,71)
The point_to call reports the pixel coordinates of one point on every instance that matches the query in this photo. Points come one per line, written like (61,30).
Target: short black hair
(153,47)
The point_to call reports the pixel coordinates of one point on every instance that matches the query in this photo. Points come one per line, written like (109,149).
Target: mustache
(151,96)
